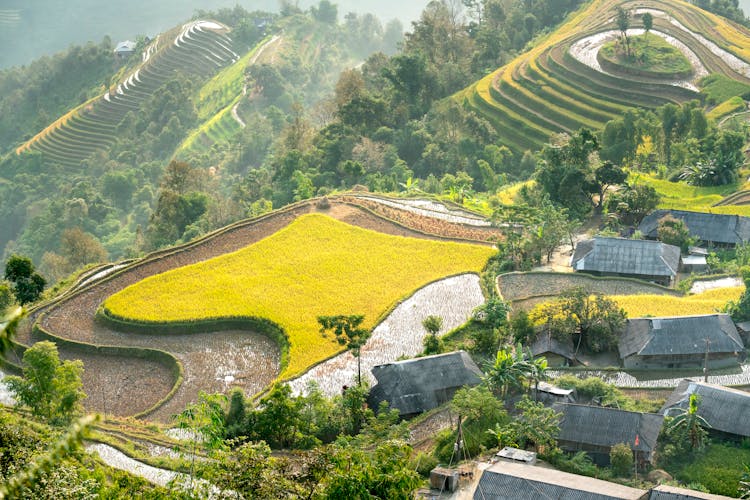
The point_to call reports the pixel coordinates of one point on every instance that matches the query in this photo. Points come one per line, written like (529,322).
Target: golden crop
(315,266)
(708,302)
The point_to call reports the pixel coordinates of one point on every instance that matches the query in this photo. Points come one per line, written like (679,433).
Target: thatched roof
(714,228)
(624,256)
(507,480)
(724,409)
(421,384)
(679,336)
(664,492)
(546,342)
(601,426)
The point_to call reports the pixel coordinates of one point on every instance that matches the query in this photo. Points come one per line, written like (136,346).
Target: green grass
(732,105)
(315,266)
(682,196)
(649,53)
(718,468)
(719,88)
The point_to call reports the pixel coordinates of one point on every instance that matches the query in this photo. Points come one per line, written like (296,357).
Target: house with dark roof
(596,429)
(680,342)
(726,410)
(418,385)
(642,259)
(557,352)
(709,229)
(664,492)
(513,481)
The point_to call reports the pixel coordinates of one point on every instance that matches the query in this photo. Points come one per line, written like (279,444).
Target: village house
(557,352)
(664,492)
(681,342)
(417,385)
(515,481)
(125,49)
(642,259)
(725,410)
(596,429)
(708,229)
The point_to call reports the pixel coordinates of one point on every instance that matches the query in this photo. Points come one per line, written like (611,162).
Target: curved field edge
(316,265)
(89,282)
(205,325)
(155,355)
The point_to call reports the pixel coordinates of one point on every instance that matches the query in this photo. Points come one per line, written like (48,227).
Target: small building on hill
(418,385)
(680,342)
(557,352)
(726,410)
(596,429)
(513,481)
(709,229)
(125,49)
(642,259)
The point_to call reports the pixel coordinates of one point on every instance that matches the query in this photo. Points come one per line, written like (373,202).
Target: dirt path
(254,59)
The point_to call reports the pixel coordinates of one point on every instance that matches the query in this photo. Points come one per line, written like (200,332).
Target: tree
(510,368)
(690,425)
(536,425)
(349,333)
(623,23)
(236,417)
(632,203)
(26,283)
(432,344)
(53,390)
(607,175)
(673,231)
(326,12)
(80,248)
(621,459)
(648,21)
(594,319)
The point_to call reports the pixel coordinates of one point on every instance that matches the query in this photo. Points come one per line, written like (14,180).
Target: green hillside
(561,86)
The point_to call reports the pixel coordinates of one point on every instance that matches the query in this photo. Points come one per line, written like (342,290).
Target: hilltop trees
(27,284)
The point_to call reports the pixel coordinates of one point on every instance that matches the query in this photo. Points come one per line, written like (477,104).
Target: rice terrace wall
(140,362)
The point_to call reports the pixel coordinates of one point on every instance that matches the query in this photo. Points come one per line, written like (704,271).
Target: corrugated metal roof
(679,336)
(601,426)
(624,256)
(715,228)
(507,480)
(545,343)
(725,409)
(664,492)
(415,385)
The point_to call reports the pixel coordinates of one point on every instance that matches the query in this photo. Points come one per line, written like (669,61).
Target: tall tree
(52,389)
(26,283)
(623,23)
(349,333)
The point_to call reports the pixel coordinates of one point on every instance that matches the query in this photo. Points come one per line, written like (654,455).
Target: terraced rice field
(119,383)
(315,266)
(401,334)
(682,196)
(196,49)
(708,302)
(559,85)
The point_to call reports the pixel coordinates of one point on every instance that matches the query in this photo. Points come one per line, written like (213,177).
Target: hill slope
(560,85)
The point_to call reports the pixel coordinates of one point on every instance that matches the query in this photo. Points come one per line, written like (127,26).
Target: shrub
(621,459)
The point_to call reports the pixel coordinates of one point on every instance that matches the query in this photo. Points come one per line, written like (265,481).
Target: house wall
(717,360)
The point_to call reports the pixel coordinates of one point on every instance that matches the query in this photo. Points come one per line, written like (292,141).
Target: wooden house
(642,259)
(418,385)
(681,342)
(709,229)
(596,429)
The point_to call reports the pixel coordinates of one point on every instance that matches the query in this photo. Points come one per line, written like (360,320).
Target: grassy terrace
(315,266)
(546,90)
(682,196)
(649,53)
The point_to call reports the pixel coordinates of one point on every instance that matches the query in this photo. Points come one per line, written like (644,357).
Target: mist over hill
(33,28)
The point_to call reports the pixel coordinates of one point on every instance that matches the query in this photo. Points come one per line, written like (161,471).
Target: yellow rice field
(708,302)
(315,266)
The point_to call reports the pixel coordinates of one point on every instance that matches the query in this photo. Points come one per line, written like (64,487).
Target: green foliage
(236,416)
(673,231)
(594,320)
(511,367)
(621,459)
(433,345)
(650,55)
(432,324)
(7,299)
(53,390)
(719,88)
(689,426)
(632,203)
(719,468)
(740,311)
(493,313)
(348,333)
(27,284)
(536,426)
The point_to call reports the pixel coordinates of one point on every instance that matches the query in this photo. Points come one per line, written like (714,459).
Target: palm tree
(509,369)
(538,372)
(691,424)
